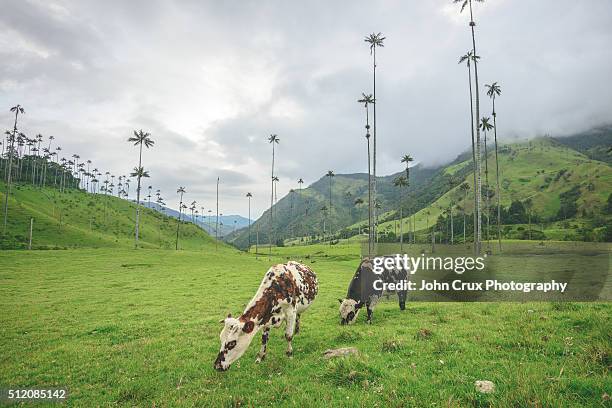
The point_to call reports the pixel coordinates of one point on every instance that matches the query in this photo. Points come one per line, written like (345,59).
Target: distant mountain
(227,223)
(595,143)
(545,169)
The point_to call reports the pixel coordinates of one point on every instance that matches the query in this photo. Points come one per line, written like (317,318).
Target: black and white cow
(285,292)
(362,290)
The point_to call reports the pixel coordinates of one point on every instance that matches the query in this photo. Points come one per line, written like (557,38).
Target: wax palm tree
(161,204)
(324,213)
(472,24)
(367,100)
(465,188)
(47,153)
(275,179)
(493,91)
(375,41)
(485,126)
(468,58)
(140,139)
(273,140)
(17,109)
(181,191)
(407,159)
(249,196)
(528,204)
(330,174)
(401,182)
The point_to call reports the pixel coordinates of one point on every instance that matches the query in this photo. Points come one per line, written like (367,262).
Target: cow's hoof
(259,359)
(368,321)
(289,353)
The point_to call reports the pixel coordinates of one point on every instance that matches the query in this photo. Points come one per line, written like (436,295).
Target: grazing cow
(362,291)
(285,292)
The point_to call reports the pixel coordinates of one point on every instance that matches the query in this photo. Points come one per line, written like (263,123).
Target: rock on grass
(340,352)
(484,386)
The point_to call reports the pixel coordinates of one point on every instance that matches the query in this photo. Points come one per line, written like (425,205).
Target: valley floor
(140,328)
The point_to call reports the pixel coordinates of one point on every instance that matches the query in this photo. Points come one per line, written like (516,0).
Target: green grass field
(140,328)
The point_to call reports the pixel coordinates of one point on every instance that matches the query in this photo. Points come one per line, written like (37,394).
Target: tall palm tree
(140,139)
(181,191)
(274,140)
(468,58)
(478,188)
(367,100)
(48,152)
(528,204)
(494,90)
(401,182)
(330,174)
(408,159)
(150,189)
(485,126)
(375,41)
(249,196)
(465,188)
(217,222)
(17,109)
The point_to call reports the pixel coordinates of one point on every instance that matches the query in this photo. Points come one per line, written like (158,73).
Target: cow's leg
(264,345)
(290,330)
(297,324)
(369,310)
(402,299)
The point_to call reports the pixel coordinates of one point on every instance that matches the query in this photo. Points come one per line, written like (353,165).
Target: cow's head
(349,309)
(235,339)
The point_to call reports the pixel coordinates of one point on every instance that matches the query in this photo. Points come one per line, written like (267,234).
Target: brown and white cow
(285,292)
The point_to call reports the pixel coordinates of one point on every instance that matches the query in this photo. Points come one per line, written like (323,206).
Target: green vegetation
(76,219)
(140,328)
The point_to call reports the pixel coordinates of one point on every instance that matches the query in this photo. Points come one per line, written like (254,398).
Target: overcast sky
(210,80)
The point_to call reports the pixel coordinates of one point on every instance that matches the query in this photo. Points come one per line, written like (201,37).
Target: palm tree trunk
(497,178)
(137,199)
(487,198)
(249,224)
(370,227)
(478,177)
(8,176)
(330,209)
(217,222)
(401,226)
(270,229)
(452,226)
(374,214)
(473,151)
(178,224)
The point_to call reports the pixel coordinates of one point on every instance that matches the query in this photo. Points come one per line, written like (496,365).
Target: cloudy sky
(210,80)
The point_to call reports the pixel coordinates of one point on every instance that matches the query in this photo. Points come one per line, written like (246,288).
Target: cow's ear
(340,300)
(248,326)
(358,305)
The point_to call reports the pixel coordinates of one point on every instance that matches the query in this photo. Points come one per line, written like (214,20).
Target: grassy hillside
(76,219)
(541,170)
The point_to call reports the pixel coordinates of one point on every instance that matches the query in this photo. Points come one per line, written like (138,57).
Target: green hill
(77,219)
(300,213)
(562,183)
(558,175)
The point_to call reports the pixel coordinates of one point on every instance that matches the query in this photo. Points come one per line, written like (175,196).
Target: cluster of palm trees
(38,162)
(478,124)
(28,160)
